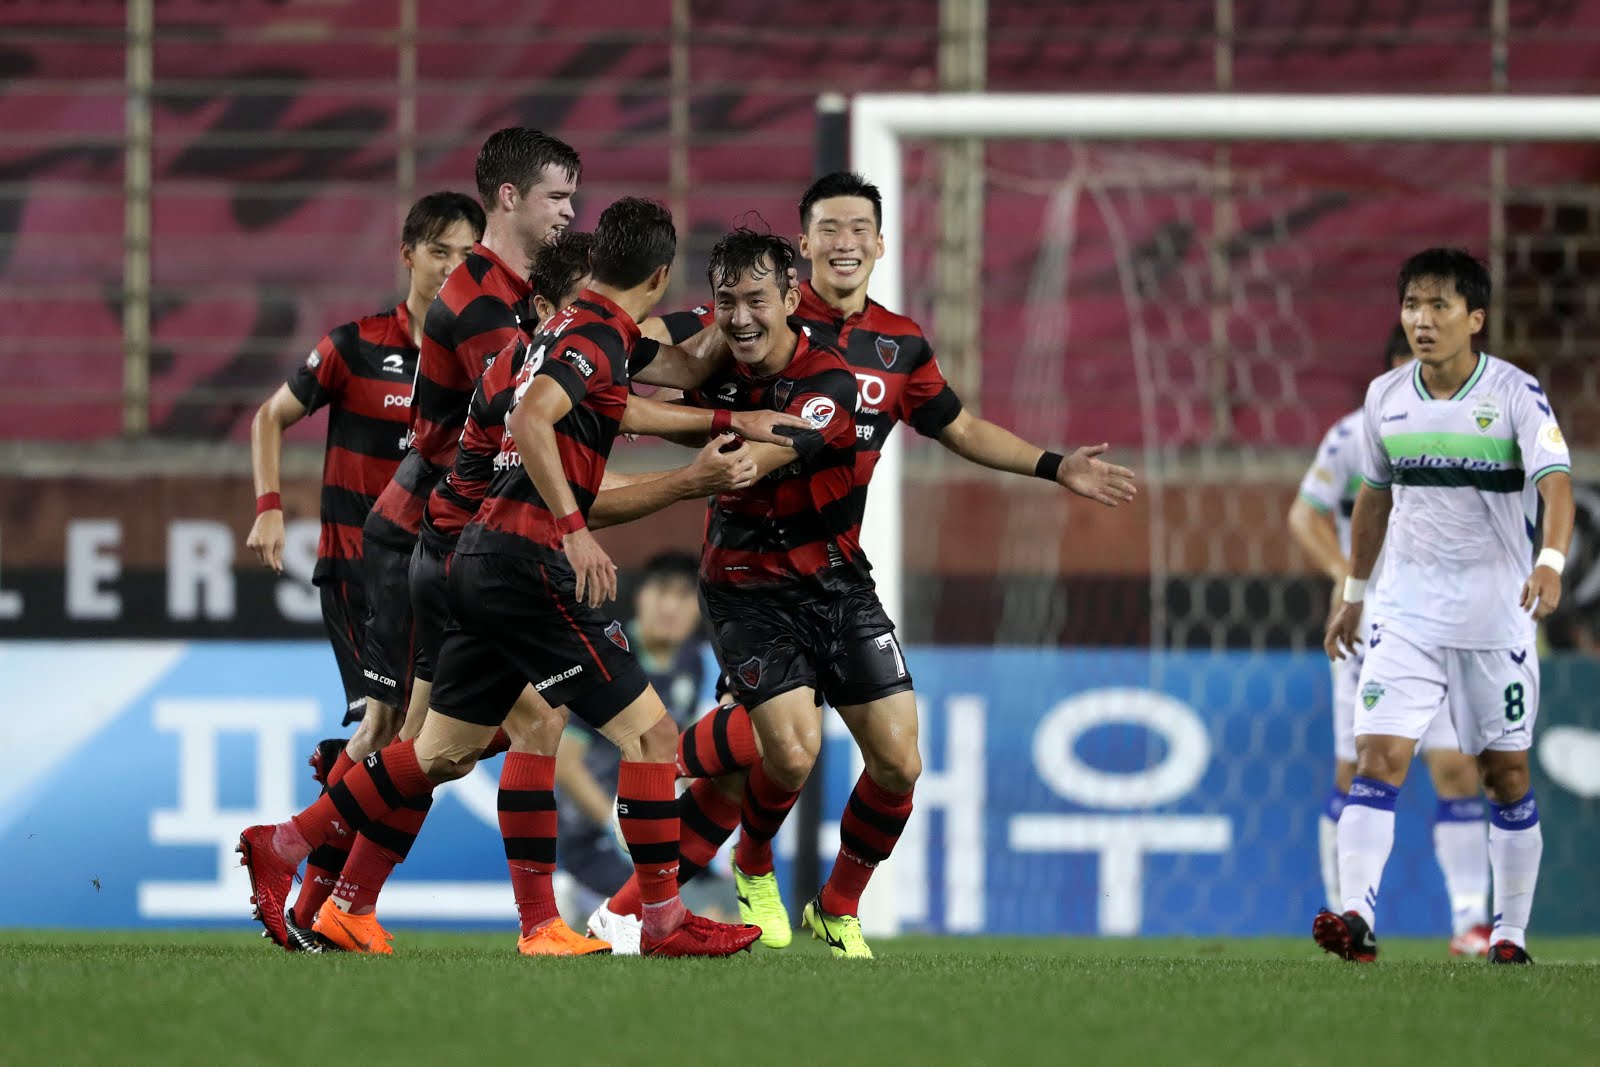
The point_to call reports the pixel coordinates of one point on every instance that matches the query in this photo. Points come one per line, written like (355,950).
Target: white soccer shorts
(1440,734)
(1490,695)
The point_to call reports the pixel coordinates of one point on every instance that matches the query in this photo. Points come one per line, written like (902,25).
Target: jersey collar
(402,315)
(621,319)
(1466,386)
(812,306)
(520,284)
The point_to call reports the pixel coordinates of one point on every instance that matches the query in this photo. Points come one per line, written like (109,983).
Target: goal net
(1127,713)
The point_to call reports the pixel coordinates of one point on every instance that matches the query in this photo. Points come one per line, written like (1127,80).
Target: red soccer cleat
(1347,936)
(699,936)
(1473,942)
(270,880)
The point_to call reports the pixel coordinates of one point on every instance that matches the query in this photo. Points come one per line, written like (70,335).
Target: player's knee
(732,785)
(788,763)
(659,744)
(1505,783)
(898,772)
(1383,759)
(440,769)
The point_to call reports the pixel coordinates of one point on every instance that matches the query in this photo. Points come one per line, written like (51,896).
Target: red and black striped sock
(381,783)
(706,818)
(719,743)
(341,767)
(872,823)
(528,826)
(323,867)
(648,812)
(766,804)
(381,846)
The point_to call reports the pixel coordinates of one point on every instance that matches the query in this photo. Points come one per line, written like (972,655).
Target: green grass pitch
(224,998)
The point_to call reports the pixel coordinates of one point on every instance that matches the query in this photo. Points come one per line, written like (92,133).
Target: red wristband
(570,523)
(721,420)
(268,502)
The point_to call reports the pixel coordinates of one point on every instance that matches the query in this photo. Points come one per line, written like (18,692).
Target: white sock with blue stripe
(1516,844)
(1462,846)
(1366,836)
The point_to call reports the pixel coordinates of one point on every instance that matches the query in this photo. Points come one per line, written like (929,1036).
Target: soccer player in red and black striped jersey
(898,380)
(526,180)
(362,372)
(526,584)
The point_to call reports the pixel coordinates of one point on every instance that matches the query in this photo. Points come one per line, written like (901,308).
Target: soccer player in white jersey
(1461,449)
(1319,520)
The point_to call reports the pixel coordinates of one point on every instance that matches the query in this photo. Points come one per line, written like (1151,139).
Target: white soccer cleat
(623,931)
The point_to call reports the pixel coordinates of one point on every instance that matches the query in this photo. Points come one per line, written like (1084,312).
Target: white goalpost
(882,125)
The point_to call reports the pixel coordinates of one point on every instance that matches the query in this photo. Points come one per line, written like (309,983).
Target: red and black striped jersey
(475,315)
(798,529)
(895,371)
(585,350)
(362,373)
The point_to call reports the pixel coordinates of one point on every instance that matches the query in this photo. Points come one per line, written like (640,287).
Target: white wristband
(1355,590)
(1549,557)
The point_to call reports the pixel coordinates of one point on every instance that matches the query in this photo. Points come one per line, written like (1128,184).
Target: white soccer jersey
(1464,472)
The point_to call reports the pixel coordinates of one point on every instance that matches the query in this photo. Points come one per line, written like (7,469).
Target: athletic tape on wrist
(1049,466)
(1553,559)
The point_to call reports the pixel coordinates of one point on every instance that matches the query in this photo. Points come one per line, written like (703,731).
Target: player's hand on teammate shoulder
(717,471)
(266,539)
(1345,624)
(763,425)
(596,574)
(1089,476)
(1541,593)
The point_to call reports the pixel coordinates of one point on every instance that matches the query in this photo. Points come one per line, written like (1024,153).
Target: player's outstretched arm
(685,423)
(1083,472)
(626,497)
(1541,593)
(533,426)
(688,364)
(1368,525)
(281,411)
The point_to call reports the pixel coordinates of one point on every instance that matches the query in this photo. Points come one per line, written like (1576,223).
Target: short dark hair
(664,566)
(633,238)
(1398,346)
(518,155)
(749,251)
(840,183)
(437,212)
(560,263)
(1469,273)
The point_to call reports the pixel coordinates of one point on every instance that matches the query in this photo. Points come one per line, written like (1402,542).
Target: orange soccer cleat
(353,933)
(556,938)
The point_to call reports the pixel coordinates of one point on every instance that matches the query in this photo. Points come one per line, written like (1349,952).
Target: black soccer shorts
(430,607)
(344,614)
(516,621)
(843,646)
(386,652)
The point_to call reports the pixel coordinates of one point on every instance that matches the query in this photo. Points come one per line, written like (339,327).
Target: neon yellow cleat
(841,932)
(761,904)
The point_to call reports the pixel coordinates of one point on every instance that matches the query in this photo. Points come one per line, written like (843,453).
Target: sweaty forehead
(755,281)
(842,210)
(1428,287)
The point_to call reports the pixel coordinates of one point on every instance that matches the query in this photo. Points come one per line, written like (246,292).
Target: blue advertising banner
(1064,791)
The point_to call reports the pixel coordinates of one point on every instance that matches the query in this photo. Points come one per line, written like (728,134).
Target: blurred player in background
(898,380)
(1462,453)
(1319,520)
(665,635)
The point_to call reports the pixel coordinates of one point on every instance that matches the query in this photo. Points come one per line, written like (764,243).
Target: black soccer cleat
(1347,936)
(323,757)
(1508,952)
(301,938)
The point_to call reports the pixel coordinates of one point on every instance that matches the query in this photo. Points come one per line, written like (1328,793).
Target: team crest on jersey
(1485,415)
(781,391)
(888,351)
(1371,693)
(1550,437)
(618,638)
(749,672)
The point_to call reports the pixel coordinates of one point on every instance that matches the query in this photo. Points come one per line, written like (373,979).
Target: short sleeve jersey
(362,373)
(476,314)
(798,529)
(1464,472)
(584,350)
